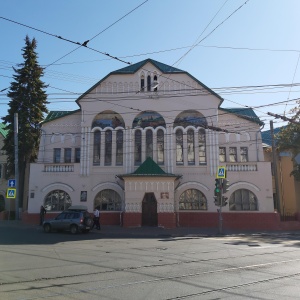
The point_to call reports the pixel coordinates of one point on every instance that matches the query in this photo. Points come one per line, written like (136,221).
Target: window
(138,147)
(108,147)
(192,199)
(57,200)
(232,154)
(68,153)
(142,83)
(119,146)
(244,154)
(149,143)
(202,146)
(222,154)
(179,147)
(148,83)
(96,155)
(56,158)
(108,200)
(77,155)
(190,147)
(155,83)
(160,146)
(243,200)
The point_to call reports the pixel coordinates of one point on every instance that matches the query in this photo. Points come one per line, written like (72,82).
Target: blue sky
(237,45)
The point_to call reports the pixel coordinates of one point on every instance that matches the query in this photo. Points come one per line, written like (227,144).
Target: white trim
(57,184)
(244,183)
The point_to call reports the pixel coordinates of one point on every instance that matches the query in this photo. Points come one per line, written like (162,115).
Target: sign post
(221,175)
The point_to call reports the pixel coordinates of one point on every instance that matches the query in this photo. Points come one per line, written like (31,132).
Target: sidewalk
(116,231)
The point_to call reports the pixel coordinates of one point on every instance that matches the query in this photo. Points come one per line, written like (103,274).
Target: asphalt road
(146,263)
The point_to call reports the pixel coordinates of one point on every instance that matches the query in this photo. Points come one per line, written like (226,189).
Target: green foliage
(28,100)
(288,139)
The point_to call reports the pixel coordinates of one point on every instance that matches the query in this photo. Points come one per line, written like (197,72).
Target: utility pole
(16,131)
(277,195)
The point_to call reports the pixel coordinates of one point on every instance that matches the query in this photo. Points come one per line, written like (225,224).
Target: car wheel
(74,229)
(47,228)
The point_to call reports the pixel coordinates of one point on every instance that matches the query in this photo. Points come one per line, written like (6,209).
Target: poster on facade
(83,196)
(164,195)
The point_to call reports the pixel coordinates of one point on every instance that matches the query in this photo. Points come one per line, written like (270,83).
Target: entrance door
(149,210)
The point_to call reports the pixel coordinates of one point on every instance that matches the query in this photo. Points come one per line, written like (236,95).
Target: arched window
(108,118)
(148,118)
(108,147)
(192,199)
(108,200)
(149,143)
(119,146)
(179,147)
(190,147)
(97,141)
(142,83)
(190,118)
(202,146)
(57,200)
(155,83)
(243,199)
(148,83)
(138,147)
(160,146)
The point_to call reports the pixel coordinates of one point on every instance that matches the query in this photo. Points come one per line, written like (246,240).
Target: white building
(145,146)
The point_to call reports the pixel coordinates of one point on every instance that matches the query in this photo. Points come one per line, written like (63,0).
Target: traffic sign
(11,183)
(221,172)
(11,193)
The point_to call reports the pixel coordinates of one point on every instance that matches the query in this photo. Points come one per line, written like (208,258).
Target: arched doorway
(149,210)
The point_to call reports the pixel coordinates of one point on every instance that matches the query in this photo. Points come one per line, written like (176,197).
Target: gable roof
(149,168)
(53,115)
(3,131)
(246,113)
(165,69)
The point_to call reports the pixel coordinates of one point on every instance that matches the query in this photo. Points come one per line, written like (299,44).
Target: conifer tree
(28,99)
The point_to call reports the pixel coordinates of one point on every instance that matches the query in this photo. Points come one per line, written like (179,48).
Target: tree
(28,99)
(288,139)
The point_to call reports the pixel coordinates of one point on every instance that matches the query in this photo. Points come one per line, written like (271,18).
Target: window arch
(97,142)
(149,143)
(148,118)
(202,146)
(119,147)
(142,83)
(57,200)
(192,199)
(190,118)
(108,200)
(108,147)
(137,147)
(160,146)
(179,147)
(243,199)
(108,118)
(190,147)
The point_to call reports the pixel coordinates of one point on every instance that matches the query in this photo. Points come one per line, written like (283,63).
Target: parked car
(75,219)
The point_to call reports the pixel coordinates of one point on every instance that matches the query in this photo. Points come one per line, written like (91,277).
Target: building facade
(145,146)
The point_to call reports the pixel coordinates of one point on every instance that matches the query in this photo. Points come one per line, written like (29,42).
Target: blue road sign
(221,172)
(11,183)
(11,193)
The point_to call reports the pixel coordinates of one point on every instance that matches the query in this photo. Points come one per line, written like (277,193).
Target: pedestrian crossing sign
(11,193)
(221,172)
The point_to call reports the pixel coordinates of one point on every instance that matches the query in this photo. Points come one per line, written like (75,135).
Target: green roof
(246,113)
(149,168)
(3,131)
(165,69)
(53,115)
